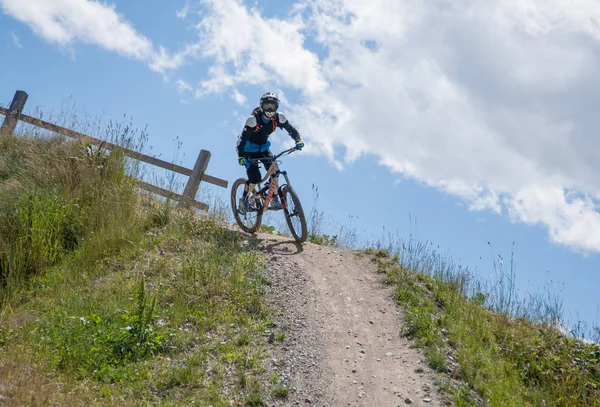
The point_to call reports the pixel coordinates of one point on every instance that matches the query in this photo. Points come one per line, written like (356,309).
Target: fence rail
(196,175)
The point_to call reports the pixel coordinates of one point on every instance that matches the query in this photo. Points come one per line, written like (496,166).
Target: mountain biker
(254,141)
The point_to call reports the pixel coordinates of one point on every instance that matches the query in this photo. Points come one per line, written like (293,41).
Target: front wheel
(294,214)
(250,218)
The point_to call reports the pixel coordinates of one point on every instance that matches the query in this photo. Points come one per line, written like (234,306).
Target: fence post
(15,109)
(193,184)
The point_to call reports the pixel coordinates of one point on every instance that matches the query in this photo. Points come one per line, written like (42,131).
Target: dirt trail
(343,345)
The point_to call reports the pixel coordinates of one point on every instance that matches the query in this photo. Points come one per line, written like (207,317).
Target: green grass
(281,391)
(108,297)
(499,359)
(111,298)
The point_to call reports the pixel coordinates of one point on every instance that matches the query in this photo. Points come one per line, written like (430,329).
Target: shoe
(245,205)
(275,204)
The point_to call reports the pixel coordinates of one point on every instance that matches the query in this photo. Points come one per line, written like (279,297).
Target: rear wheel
(248,220)
(294,214)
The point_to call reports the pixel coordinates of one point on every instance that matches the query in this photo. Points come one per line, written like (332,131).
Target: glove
(243,161)
(299,145)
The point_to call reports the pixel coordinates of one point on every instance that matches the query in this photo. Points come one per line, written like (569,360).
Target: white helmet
(269,103)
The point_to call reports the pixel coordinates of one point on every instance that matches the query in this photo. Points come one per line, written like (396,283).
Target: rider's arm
(248,129)
(283,121)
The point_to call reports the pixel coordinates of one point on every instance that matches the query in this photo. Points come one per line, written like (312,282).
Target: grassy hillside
(110,298)
(490,348)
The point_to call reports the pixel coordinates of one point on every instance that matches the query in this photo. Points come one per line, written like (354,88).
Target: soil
(343,342)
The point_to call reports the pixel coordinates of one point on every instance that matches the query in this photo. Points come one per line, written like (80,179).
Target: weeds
(49,188)
(110,297)
(98,347)
(468,334)
(281,391)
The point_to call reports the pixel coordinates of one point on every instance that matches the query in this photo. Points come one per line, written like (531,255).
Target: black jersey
(255,136)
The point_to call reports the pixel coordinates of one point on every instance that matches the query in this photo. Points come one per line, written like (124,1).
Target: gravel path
(343,345)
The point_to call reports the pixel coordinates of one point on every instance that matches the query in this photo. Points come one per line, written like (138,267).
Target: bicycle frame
(257,200)
(273,172)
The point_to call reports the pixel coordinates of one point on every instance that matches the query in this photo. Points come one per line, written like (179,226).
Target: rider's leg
(266,160)
(254,176)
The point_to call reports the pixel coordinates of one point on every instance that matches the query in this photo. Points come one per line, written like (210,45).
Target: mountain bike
(248,211)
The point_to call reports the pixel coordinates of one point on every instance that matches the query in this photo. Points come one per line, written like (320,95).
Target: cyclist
(254,141)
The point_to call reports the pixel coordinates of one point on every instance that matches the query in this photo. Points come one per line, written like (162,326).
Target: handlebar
(275,157)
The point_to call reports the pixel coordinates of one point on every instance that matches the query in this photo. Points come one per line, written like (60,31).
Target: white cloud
(493,102)
(182,14)
(248,48)
(238,97)
(183,86)
(65,22)
(16,40)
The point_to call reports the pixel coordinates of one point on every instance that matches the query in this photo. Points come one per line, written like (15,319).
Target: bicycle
(248,214)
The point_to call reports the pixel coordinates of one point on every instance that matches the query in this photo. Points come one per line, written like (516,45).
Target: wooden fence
(14,113)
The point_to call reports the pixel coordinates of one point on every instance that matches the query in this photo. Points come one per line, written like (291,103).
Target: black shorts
(253,171)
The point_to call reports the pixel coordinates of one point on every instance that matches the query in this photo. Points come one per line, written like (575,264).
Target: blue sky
(478,120)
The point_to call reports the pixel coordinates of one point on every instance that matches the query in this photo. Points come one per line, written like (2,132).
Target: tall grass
(346,236)
(505,348)
(110,297)
(54,197)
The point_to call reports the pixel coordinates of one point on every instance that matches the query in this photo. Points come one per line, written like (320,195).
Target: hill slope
(109,297)
(344,343)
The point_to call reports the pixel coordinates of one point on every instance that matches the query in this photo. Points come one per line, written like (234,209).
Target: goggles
(269,106)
